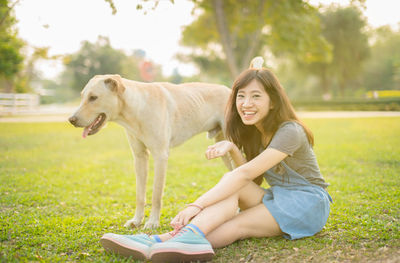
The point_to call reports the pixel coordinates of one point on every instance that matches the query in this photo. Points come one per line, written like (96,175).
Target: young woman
(261,124)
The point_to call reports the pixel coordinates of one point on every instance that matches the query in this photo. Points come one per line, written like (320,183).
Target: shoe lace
(178,232)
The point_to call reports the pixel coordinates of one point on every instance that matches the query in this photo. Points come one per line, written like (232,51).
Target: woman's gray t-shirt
(291,139)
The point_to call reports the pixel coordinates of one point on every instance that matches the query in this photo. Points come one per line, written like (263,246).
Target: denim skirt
(300,212)
(300,208)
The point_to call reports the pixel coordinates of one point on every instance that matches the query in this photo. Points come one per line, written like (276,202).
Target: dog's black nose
(73,120)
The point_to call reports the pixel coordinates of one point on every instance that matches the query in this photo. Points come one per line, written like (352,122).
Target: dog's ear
(114,83)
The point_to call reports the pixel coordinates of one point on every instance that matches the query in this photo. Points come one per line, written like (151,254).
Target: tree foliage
(10,46)
(345,30)
(382,70)
(93,59)
(101,58)
(236,31)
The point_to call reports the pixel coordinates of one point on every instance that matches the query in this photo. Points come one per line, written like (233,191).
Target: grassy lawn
(60,193)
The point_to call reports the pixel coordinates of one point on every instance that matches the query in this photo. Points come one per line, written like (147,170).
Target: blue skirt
(300,210)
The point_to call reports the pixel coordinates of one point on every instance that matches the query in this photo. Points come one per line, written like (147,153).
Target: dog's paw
(151,224)
(133,223)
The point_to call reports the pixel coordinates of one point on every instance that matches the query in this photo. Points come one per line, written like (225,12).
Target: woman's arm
(228,185)
(237,156)
(241,176)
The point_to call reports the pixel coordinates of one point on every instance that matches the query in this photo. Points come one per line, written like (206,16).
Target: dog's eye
(92,98)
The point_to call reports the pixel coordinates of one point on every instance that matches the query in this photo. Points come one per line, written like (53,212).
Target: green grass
(59,193)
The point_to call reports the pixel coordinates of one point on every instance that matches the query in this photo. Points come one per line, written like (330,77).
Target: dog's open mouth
(94,126)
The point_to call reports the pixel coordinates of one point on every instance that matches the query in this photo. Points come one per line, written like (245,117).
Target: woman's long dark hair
(248,137)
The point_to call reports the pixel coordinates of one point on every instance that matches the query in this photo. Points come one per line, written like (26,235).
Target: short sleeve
(288,138)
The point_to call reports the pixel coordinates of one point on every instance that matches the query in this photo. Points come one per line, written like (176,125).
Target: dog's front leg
(141,157)
(160,170)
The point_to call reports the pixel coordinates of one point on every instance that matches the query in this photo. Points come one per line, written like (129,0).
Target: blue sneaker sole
(179,252)
(124,246)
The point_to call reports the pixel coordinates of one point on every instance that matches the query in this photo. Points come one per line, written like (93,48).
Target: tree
(101,58)
(382,70)
(344,29)
(10,46)
(93,59)
(236,31)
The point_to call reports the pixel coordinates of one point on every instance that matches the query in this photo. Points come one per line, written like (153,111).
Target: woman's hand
(184,216)
(219,149)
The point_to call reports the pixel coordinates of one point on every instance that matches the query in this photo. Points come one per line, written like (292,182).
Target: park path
(57,113)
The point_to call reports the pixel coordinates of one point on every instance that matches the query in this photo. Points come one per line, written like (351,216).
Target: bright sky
(64,24)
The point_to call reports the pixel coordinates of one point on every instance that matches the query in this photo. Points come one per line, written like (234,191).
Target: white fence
(11,103)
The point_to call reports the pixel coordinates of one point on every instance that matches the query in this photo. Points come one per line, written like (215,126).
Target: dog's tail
(257,63)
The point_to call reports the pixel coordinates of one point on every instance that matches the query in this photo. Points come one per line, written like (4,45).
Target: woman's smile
(248,114)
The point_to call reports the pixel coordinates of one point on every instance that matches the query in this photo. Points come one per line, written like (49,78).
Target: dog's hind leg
(141,156)
(160,170)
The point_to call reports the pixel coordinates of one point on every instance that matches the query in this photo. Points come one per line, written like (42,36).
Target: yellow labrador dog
(156,116)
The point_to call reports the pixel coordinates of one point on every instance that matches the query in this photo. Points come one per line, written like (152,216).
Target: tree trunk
(254,39)
(250,54)
(225,36)
(341,87)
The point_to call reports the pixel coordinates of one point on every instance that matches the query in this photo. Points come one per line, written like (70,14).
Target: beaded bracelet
(196,205)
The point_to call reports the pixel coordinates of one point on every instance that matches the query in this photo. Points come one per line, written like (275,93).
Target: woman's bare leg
(253,222)
(214,216)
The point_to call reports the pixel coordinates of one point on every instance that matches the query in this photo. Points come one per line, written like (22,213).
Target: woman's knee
(250,196)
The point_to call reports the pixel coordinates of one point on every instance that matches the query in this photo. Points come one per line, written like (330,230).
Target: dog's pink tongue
(85,132)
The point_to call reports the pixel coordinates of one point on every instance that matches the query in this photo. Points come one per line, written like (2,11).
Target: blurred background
(329,55)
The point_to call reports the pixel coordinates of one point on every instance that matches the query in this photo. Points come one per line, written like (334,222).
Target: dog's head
(100,103)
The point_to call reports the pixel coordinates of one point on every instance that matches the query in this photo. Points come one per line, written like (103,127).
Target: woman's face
(253,104)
